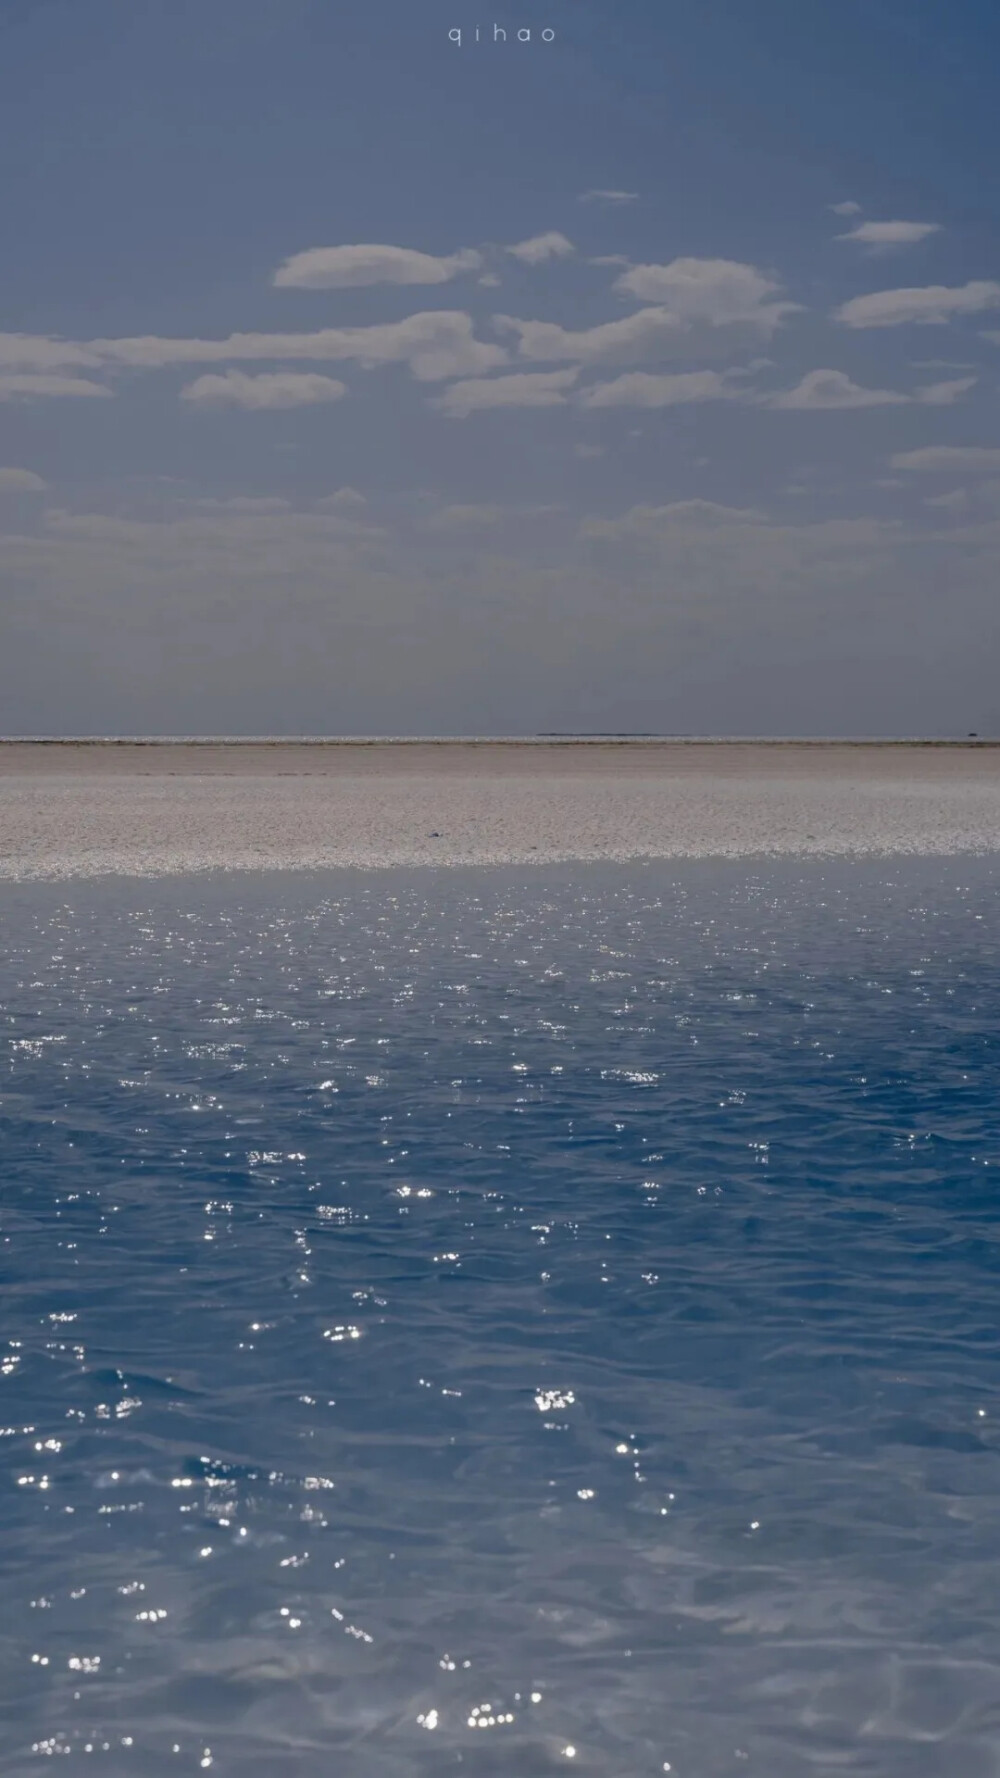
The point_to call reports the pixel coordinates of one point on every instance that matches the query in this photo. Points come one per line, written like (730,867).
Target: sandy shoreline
(83,809)
(626,756)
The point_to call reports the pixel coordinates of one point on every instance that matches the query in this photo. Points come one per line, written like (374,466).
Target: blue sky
(354,380)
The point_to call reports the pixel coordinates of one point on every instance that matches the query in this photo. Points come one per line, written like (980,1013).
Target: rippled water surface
(503,1324)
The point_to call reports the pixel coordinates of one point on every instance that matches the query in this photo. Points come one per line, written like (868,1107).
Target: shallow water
(503,1323)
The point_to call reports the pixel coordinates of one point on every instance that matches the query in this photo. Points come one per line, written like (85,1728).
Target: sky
(636,370)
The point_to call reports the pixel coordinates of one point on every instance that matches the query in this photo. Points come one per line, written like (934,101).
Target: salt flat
(84,809)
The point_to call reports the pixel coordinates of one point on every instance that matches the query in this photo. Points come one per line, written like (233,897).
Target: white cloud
(252,503)
(435,343)
(29,351)
(832,389)
(890,234)
(344,500)
(520,389)
(640,388)
(29,387)
(21,481)
(957,500)
(943,394)
(931,305)
(847,208)
(541,248)
(701,550)
(246,545)
(634,337)
(457,519)
(719,292)
(652,522)
(609,197)
(22,353)
(347,268)
(949,459)
(982,499)
(279,389)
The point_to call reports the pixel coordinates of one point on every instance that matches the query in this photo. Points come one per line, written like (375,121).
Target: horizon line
(558,737)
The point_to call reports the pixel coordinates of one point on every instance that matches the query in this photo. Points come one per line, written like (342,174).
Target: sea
(502,1322)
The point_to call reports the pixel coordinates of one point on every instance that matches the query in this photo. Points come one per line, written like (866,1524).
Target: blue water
(503,1323)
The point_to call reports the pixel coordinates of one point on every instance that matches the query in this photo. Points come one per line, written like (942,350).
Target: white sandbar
(85,809)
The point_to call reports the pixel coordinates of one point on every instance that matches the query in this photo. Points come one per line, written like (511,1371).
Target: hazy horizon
(560,736)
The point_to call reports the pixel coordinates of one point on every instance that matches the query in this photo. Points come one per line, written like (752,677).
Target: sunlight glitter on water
(489,1323)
